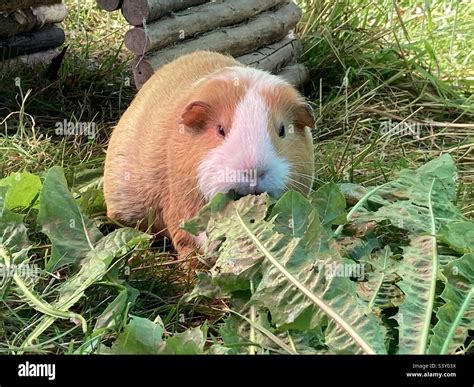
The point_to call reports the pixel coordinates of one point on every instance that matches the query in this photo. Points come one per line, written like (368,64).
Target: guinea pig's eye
(221,131)
(281,131)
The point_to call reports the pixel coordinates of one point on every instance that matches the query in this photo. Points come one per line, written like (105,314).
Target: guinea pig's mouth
(236,195)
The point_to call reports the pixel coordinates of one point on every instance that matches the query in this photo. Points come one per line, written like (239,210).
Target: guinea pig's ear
(196,115)
(304,116)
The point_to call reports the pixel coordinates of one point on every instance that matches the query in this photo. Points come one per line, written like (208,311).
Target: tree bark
(30,42)
(186,24)
(265,29)
(13,5)
(296,74)
(273,57)
(30,19)
(110,5)
(136,12)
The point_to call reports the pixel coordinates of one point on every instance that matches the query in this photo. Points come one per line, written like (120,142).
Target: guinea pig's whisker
(296,174)
(302,162)
(300,184)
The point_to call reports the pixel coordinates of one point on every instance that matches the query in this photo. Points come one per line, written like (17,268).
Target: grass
(407,61)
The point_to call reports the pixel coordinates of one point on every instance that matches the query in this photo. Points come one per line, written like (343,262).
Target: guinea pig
(204,124)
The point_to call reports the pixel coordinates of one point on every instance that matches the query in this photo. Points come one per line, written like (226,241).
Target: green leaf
(235,334)
(456,316)
(189,342)
(13,233)
(24,188)
(380,291)
(291,212)
(116,309)
(417,284)
(204,288)
(72,234)
(458,235)
(139,337)
(238,257)
(85,179)
(404,200)
(330,204)
(249,239)
(92,201)
(199,223)
(292,309)
(143,336)
(93,267)
(97,262)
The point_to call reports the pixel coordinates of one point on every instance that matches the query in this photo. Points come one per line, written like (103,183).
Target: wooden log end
(142,71)
(109,5)
(135,11)
(137,41)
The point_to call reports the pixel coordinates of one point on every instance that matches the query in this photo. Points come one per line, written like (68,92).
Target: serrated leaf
(92,201)
(287,305)
(93,267)
(238,257)
(456,316)
(97,262)
(249,238)
(380,290)
(417,284)
(404,200)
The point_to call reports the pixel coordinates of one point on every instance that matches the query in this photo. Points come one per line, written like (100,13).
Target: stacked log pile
(29,32)
(257,33)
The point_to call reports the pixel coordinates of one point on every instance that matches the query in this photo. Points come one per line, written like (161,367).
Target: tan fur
(152,157)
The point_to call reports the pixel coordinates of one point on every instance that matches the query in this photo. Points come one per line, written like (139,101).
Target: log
(30,42)
(110,5)
(138,12)
(31,19)
(186,24)
(265,29)
(30,60)
(297,74)
(274,56)
(10,6)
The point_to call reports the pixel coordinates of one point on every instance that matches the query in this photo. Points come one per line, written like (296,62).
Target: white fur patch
(246,161)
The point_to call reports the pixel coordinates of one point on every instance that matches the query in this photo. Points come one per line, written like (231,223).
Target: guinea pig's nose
(262,173)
